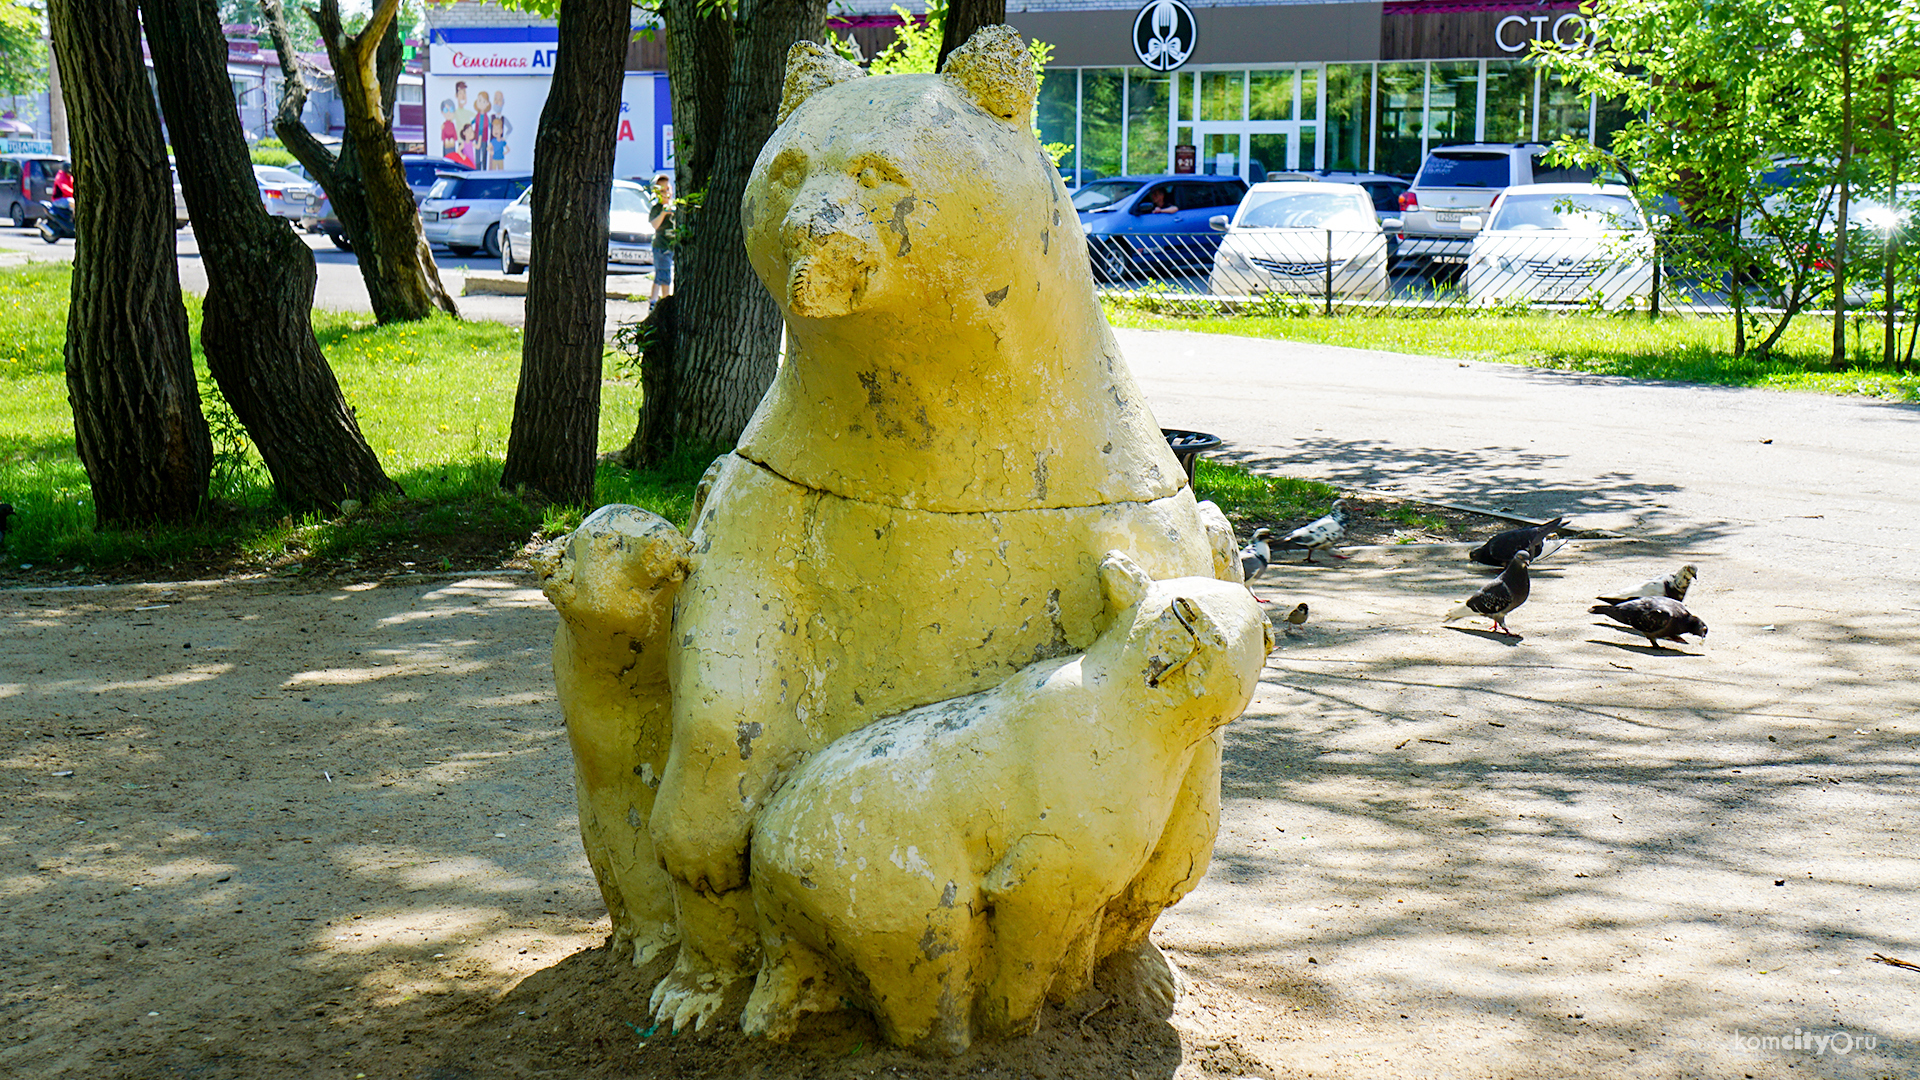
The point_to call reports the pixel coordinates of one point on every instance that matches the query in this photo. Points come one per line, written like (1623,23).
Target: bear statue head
(888,194)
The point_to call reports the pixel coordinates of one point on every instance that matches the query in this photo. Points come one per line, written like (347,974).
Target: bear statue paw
(686,999)
(1144,974)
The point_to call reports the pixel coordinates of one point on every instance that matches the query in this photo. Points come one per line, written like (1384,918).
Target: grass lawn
(1683,349)
(435,400)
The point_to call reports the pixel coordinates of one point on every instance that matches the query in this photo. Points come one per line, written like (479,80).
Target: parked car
(629,229)
(1125,234)
(1302,237)
(26,186)
(1456,182)
(1384,190)
(282,191)
(1561,243)
(422,172)
(462,209)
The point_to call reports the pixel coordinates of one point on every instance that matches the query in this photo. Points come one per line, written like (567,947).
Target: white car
(629,229)
(282,191)
(1298,237)
(462,209)
(1561,243)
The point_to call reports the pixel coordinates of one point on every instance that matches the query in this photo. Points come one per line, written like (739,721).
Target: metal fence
(1338,272)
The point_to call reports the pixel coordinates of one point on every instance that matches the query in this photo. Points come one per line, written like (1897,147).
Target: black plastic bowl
(1187,445)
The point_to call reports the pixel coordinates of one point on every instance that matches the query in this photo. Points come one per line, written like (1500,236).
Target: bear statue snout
(832,255)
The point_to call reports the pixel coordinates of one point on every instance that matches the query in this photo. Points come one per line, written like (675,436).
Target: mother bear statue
(919,509)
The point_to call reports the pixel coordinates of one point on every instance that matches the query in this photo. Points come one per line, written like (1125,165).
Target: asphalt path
(1828,486)
(338,286)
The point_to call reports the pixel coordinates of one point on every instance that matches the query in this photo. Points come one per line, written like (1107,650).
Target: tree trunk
(1839,359)
(136,408)
(727,331)
(556,411)
(365,184)
(256,330)
(963,18)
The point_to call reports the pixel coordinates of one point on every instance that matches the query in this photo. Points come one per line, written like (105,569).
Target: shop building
(1269,86)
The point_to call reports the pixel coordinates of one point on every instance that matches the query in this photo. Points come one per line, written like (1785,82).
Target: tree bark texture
(136,407)
(556,410)
(963,18)
(256,329)
(727,335)
(366,184)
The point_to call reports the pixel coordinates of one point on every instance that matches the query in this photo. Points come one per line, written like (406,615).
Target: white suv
(1457,182)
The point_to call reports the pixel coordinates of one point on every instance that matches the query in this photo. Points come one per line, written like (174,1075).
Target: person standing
(662,221)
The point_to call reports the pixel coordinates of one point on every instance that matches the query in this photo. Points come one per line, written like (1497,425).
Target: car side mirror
(1218,223)
(1392,224)
(1472,223)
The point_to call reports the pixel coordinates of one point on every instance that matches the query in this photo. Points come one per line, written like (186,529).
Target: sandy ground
(266,829)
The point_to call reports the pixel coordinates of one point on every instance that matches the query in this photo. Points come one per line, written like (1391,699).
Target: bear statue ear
(1123,580)
(996,71)
(812,68)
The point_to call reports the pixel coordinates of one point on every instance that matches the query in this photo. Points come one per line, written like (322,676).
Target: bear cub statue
(947,868)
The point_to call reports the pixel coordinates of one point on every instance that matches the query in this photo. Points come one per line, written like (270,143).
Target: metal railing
(1343,272)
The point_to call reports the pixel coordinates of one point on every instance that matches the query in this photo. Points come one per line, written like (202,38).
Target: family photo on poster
(475,134)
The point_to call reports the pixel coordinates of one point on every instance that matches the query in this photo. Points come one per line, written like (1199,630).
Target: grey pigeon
(1674,586)
(1500,596)
(1255,556)
(1655,617)
(1319,535)
(1499,550)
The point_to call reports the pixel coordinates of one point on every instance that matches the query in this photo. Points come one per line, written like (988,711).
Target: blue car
(1154,226)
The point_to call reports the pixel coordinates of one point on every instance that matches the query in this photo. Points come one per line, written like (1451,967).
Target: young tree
(256,330)
(556,411)
(366,183)
(136,408)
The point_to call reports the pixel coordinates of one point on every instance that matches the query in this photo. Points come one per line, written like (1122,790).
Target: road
(339,287)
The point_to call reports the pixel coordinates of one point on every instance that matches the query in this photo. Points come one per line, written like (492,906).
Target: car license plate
(1461,259)
(429,215)
(1449,215)
(629,255)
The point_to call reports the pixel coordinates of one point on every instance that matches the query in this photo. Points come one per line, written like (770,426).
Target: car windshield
(1581,213)
(1103,193)
(628,200)
(1307,210)
(1464,170)
(273,174)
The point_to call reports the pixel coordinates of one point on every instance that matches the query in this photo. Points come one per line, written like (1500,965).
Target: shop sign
(493,58)
(1164,34)
(25,146)
(1515,32)
(1183,158)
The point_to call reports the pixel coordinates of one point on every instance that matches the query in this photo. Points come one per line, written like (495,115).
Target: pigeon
(1655,617)
(1500,596)
(1298,616)
(1255,556)
(1673,586)
(1500,549)
(1321,534)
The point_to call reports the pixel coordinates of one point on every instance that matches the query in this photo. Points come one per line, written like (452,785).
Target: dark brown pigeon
(1655,617)
(1499,550)
(1500,596)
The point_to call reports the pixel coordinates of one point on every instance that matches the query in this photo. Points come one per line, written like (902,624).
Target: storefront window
(1270,95)
(1567,110)
(1453,102)
(1055,112)
(1509,101)
(1149,95)
(1100,119)
(1397,149)
(1221,95)
(1349,96)
(1309,93)
(1611,118)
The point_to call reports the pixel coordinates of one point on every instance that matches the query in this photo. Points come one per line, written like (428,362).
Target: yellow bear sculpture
(922,503)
